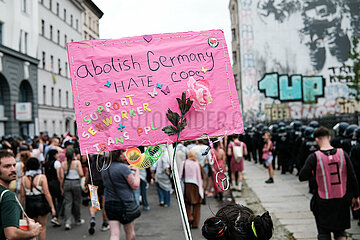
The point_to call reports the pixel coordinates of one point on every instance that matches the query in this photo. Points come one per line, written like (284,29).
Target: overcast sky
(126,18)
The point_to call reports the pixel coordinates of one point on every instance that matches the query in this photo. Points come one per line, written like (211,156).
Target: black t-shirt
(331,214)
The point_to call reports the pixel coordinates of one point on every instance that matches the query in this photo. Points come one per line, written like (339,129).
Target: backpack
(238,152)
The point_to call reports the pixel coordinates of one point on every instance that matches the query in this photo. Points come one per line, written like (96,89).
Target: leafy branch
(178,122)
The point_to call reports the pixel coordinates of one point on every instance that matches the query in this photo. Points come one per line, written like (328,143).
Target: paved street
(287,200)
(158,223)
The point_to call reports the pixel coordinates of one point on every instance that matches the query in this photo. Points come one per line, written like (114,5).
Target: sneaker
(105,227)
(92,226)
(67,226)
(270,180)
(80,221)
(161,204)
(166,205)
(55,221)
(146,208)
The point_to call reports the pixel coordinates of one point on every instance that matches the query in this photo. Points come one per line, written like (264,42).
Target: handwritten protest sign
(122,88)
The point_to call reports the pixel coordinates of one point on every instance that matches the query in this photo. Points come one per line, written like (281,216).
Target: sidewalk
(287,200)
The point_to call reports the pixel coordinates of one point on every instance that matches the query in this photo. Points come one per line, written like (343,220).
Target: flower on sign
(199,92)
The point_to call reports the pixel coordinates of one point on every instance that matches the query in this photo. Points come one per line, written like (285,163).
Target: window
(54,126)
(58,36)
(20,40)
(86,35)
(64,14)
(59,66)
(65,69)
(43,60)
(77,24)
(65,40)
(24,6)
(57,9)
(52,96)
(60,126)
(26,37)
(45,125)
(67,99)
(1,27)
(51,32)
(85,19)
(233,31)
(42,27)
(59,97)
(44,94)
(50,5)
(90,22)
(52,63)
(71,20)
(234,57)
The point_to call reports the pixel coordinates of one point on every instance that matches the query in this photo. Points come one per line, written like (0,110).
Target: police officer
(296,137)
(250,143)
(260,141)
(274,128)
(308,146)
(283,148)
(355,159)
(339,129)
(348,142)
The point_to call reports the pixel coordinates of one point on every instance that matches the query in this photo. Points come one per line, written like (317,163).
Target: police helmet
(282,126)
(308,132)
(314,124)
(302,129)
(288,128)
(340,128)
(349,132)
(357,134)
(274,128)
(296,125)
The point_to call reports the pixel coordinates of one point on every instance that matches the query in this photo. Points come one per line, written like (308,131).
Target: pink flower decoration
(199,92)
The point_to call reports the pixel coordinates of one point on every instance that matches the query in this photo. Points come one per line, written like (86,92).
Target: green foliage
(178,122)
(353,78)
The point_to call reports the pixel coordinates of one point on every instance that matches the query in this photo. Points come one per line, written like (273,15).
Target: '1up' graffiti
(296,88)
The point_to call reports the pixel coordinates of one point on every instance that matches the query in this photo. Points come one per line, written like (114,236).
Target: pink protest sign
(122,88)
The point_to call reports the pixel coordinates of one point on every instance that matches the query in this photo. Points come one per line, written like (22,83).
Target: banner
(123,88)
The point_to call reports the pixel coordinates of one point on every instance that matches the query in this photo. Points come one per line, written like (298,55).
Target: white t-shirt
(57,164)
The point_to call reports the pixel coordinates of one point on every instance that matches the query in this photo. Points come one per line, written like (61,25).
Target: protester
(235,221)
(237,150)
(11,210)
(34,190)
(67,144)
(120,204)
(72,189)
(162,178)
(201,148)
(268,157)
(145,180)
(181,154)
(219,164)
(336,187)
(192,173)
(96,179)
(55,176)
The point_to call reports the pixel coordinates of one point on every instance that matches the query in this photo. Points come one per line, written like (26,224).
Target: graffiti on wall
(276,112)
(322,30)
(248,61)
(311,37)
(294,88)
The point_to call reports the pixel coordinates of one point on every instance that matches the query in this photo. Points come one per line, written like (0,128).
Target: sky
(127,18)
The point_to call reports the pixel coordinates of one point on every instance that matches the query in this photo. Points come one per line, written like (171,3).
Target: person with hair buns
(238,222)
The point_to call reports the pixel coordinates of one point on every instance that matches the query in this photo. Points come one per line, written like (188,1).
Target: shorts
(269,160)
(115,211)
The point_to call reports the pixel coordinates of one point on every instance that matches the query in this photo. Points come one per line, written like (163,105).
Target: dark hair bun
(264,226)
(214,228)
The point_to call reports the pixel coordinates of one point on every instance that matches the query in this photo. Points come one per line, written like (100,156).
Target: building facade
(59,22)
(18,68)
(90,20)
(292,55)
(235,43)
